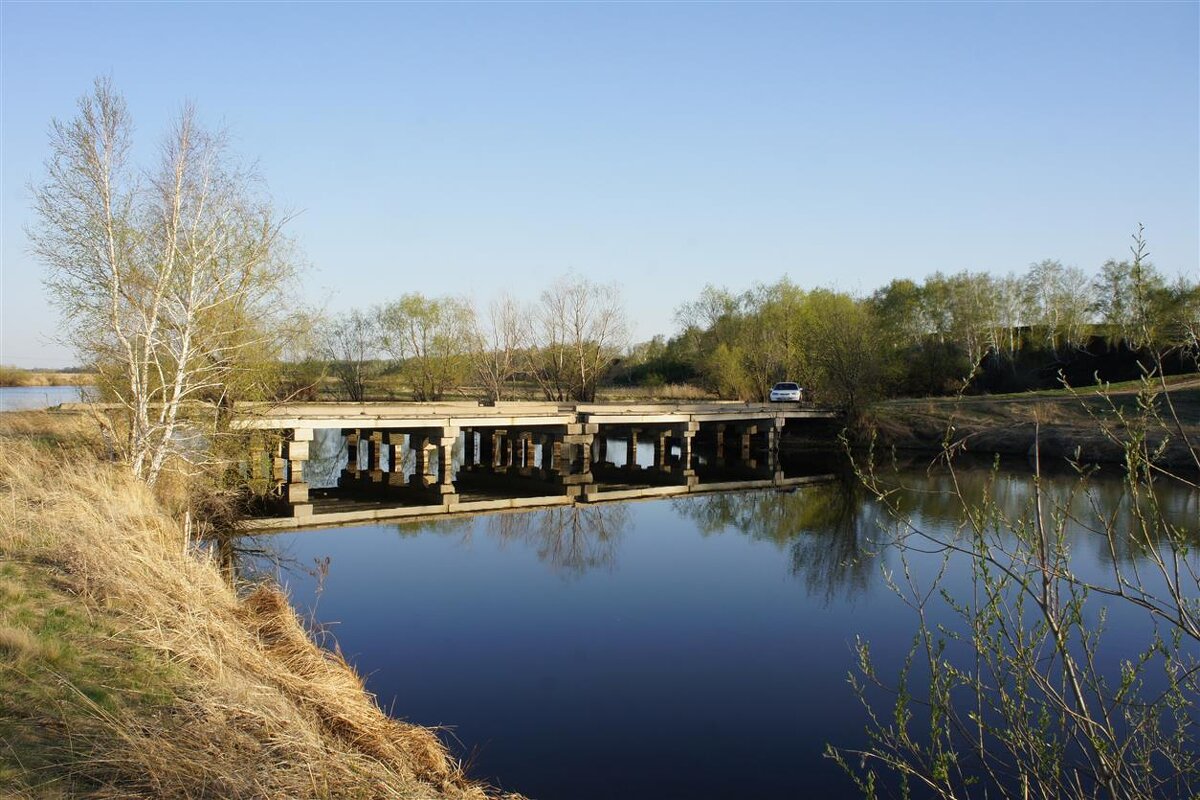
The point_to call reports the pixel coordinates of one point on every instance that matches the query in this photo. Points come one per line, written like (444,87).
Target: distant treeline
(970,330)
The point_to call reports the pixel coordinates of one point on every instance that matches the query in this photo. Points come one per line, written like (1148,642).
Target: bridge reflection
(817,523)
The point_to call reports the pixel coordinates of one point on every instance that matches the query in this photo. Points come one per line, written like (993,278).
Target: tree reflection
(439,526)
(934,498)
(825,529)
(571,539)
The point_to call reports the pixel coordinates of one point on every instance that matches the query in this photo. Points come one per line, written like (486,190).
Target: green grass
(58,662)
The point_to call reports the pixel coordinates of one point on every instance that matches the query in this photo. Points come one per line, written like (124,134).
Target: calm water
(25,398)
(694,647)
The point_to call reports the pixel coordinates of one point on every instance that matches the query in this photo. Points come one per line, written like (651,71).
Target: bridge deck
(516,414)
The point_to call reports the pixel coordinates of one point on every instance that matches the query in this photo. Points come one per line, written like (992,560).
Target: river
(27,398)
(684,648)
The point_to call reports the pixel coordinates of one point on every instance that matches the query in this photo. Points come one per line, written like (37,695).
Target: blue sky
(469,148)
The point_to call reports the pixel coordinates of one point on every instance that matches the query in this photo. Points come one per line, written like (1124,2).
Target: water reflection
(830,531)
(724,623)
(1088,505)
(571,540)
(825,529)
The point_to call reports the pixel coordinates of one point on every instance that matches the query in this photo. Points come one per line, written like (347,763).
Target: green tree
(430,342)
(842,350)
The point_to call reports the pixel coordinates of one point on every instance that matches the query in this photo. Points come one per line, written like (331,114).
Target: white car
(786,393)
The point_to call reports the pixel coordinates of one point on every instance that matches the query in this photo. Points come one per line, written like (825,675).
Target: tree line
(906,338)
(564,343)
(920,338)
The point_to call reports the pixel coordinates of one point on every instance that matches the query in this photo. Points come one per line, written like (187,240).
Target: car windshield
(786,387)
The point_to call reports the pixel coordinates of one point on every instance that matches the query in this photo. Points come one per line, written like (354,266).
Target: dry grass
(667,392)
(129,668)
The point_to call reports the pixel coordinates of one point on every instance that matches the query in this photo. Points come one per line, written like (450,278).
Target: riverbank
(1063,424)
(129,667)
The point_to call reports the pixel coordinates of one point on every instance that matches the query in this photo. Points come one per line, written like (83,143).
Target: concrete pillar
(775,434)
(720,444)
(552,453)
(530,451)
(662,449)
(295,451)
(421,446)
(375,457)
(746,435)
(505,446)
(575,458)
(631,449)
(445,449)
(395,475)
(584,464)
(685,436)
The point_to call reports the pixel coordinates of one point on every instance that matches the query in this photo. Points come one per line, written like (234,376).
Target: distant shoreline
(16,377)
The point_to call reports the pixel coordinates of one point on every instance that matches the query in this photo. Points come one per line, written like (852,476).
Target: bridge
(421,459)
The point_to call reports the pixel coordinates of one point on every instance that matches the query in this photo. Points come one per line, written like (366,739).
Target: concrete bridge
(466,457)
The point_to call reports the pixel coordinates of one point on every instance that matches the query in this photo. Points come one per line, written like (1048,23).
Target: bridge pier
(662,450)
(686,433)
(294,451)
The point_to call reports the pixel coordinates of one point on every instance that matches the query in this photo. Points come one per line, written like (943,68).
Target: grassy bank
(1063,422)
(14,376)
(129,668)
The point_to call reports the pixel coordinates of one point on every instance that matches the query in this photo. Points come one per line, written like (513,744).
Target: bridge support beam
(295,451)
(445,451)
(395,474)
(686,434)
(374,441)
(662,450)
(746,434)
(420,446)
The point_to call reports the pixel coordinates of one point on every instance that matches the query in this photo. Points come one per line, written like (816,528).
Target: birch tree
(580,327)
(350,343)
(167,278)
(498,341)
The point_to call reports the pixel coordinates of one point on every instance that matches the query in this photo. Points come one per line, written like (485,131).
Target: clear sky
(468,148)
